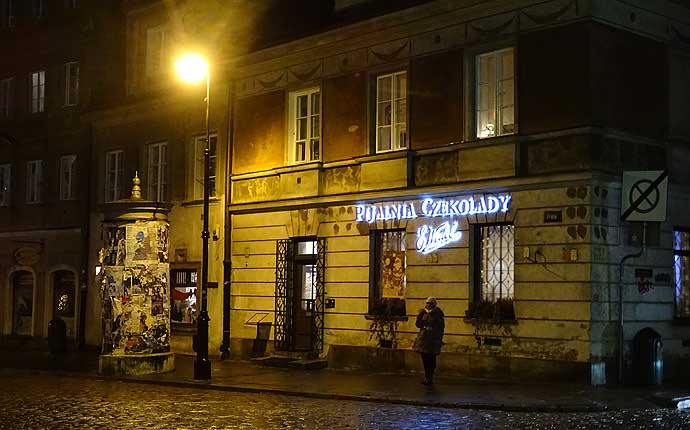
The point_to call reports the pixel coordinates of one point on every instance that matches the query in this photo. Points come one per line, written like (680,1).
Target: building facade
(473,154)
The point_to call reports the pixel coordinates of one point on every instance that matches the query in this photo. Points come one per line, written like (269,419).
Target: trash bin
(57,335)
(263,332)
(647,358)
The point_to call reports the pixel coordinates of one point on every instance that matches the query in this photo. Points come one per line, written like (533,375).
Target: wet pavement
(49,401)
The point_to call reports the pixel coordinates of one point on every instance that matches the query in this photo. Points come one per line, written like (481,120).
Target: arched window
(23,298)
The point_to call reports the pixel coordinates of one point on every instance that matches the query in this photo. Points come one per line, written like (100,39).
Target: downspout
(227,258)
(621,335)
(86,233)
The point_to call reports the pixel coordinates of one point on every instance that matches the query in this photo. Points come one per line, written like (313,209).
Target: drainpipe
(621,336)
(86,232)
(227,258)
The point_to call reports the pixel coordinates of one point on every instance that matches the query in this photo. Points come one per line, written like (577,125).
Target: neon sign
(432,237)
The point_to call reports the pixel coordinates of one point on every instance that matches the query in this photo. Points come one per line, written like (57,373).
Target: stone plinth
(135,365)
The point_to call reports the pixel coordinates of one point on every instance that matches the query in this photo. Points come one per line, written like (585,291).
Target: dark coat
(431,327)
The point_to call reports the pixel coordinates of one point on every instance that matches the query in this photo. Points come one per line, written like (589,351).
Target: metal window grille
(497,262)
(681,272)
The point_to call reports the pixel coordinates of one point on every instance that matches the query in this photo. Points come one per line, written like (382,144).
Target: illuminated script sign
(432,237)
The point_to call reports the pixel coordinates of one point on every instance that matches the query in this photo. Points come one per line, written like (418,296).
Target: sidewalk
(448,392)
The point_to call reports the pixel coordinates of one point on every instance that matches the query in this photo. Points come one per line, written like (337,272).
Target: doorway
(300,294)
(22,301)
(64,284)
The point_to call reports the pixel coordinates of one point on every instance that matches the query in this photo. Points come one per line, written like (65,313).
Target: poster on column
(393,274)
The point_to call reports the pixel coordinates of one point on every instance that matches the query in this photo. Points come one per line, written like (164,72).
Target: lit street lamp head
(191,68)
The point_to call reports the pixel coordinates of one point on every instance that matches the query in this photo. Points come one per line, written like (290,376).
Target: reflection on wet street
(44,401)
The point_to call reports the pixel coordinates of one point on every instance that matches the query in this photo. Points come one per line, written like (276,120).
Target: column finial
(136,189)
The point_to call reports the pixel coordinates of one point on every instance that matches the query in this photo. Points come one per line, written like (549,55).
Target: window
(494,268)
(67,191)
(38,8)
(155,47)
(5,186)
(495,93)
(71,83)
(8,13)
(388,265)
(34,181)
(71,4)
(183,287)
(391,112)
(158,183)
(114,171)
(199,146)
(681,271)
(6,87)
(38,91)
(305,125)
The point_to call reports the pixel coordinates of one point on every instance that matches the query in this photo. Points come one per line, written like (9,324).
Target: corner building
(473,153)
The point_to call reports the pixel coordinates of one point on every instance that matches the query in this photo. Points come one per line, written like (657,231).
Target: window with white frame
(114,172)
(71,83)
(6,90)
(5,185)
(158,166)
(391,112)
(155,50)
(304,113)
(8,13)
(199,146)
(681,271)
(38,8)
(38,91)
(34,181)
(67,180)
(495,93)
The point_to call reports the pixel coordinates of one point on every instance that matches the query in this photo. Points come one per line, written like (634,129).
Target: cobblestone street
(44,401)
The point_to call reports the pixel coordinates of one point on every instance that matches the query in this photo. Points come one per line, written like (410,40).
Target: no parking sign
(644,194)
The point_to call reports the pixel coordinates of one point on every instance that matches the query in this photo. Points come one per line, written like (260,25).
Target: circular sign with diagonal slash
(644,196)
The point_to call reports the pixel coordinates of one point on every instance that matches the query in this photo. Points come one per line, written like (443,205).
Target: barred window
(494,271)
(183,295)
(681,271)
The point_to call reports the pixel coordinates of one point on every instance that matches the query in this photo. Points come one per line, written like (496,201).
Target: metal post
(202,365)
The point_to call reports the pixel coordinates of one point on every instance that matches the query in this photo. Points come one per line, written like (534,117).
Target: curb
(501,407)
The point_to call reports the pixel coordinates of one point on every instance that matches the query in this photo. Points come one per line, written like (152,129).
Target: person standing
(430,338)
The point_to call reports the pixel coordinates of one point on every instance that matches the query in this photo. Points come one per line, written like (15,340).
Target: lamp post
(193,68)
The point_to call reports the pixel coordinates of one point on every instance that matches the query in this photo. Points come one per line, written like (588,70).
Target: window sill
(392,318)
(490,321)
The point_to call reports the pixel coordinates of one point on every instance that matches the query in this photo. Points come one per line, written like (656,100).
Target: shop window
(494,269)
(199,146)
(305,125)
(681,271)
(71,83)
(387,278)
(38,91)
(64,283)
(183,298)
(114,172)
(6,97)
(495,93)
(391,112)
(23,299)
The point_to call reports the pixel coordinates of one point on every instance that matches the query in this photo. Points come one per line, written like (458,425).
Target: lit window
(183,289)
(67,191)
(681,271)
(5,186)
(6,88)
(114,172)
(34,181)
(71,84)
(494,269)
(38,91)
(495,93)
(391,112)
(305,125)
(389,264)
(158,166)
(199,146)
(155,50)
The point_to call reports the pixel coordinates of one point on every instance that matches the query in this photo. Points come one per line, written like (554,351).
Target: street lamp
(193,68)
